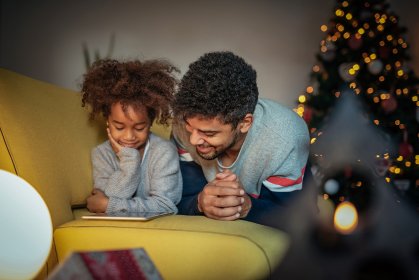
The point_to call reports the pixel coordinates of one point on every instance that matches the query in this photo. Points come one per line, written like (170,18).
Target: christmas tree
(365,49)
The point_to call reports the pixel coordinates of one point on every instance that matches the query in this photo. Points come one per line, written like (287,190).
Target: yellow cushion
(183,247)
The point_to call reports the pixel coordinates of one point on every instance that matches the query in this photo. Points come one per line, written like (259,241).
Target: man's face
(211,137)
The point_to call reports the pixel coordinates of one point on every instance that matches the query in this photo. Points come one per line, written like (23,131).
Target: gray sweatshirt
(134,184)
(274,153)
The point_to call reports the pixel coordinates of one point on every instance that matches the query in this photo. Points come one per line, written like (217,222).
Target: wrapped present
(109,264)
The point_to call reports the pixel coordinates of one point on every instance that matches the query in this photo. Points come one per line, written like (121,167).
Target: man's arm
(270,202)
(213,199)
(267,203)
(217,199)
(193,183)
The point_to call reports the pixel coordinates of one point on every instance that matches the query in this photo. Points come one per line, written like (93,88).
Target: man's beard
(216,152)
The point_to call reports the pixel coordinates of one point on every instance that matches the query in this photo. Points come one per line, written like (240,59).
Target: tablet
(126,216)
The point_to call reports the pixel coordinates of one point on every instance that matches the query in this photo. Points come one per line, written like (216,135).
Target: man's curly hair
(218,84)
(150,83)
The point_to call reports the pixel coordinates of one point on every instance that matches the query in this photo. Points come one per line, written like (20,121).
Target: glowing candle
(345,218)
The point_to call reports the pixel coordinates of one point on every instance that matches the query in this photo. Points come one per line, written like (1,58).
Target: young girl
(134,170)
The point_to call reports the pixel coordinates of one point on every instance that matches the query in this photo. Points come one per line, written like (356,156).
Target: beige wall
(43,39)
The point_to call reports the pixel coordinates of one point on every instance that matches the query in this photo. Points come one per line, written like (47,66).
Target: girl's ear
(107,124)
(246,123)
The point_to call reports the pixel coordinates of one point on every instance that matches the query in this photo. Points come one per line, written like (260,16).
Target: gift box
(109,264)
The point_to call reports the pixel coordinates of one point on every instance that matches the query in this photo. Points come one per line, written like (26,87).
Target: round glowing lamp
(26,229)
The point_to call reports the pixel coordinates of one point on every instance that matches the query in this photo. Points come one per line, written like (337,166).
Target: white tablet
(126,216)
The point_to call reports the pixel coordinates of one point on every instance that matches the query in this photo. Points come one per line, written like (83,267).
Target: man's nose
(195,138)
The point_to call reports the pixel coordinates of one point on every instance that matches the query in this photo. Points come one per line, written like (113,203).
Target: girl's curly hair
(150,83)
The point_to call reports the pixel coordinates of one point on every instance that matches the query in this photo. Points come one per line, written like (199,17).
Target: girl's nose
(129,135)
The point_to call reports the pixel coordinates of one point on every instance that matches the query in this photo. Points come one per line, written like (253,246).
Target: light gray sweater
(274,153)
(134,184)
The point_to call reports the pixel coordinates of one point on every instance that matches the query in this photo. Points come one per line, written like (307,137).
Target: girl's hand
(115,145)
(97,202)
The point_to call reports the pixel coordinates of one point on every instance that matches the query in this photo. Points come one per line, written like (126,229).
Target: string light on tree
(364,48)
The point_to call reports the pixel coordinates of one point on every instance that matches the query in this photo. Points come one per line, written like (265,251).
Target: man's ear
(246,123)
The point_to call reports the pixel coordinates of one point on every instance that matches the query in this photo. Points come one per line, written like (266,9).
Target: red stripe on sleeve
(254,195)
(181,151)
(286,182)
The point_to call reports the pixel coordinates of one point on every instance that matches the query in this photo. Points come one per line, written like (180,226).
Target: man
(241,156)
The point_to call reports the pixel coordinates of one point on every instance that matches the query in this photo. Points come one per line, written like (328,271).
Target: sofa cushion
(183,247)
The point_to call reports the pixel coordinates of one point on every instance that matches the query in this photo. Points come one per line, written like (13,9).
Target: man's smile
(204,149)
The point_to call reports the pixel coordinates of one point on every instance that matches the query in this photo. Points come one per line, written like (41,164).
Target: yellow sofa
(46,138)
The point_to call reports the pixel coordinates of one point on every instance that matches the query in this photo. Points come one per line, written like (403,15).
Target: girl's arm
(119,178)
(165,184)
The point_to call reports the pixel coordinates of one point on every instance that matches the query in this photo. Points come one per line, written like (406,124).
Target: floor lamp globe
(26,229)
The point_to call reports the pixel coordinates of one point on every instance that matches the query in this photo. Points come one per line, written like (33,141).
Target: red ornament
(383,52)
(381,166)
(354,42)
(405,148)
(307,115)
(347,171)
(389,105)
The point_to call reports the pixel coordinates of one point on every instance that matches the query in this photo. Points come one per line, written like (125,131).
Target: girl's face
(131,128)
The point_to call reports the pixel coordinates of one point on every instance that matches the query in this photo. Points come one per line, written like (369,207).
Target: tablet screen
(130,216)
